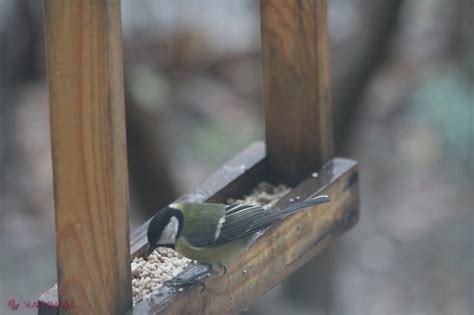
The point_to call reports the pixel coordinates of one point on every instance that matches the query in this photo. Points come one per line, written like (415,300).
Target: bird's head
(164,228)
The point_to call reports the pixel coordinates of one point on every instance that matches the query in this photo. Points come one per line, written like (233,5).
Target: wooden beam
(84,56)
(296,86)
(281,250)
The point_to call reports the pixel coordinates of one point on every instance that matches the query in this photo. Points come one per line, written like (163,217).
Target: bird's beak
(150,250)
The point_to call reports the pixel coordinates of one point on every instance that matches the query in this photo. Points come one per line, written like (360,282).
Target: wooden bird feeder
(94,246)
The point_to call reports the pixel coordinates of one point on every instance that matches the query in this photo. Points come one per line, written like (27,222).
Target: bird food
(164,263)
(264,195)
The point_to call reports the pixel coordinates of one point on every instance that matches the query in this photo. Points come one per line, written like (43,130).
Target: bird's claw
(202,285)
(178,284)
(181,283)
(223,267)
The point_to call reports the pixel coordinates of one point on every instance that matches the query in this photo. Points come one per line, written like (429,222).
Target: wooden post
(296,86)
(84,56)
(297,99)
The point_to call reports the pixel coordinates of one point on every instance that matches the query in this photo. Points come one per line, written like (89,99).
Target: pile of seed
(264,195)
(164,263)
(148,275)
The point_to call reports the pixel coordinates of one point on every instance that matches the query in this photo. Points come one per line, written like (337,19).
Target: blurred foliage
(148,87)
(444,102)
(215,143)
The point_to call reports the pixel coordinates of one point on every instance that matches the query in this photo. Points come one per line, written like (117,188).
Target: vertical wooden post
(296,86)
(84,56)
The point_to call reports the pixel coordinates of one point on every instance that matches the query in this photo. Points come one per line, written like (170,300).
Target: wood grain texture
(84,56)
(281,250)
(296,86)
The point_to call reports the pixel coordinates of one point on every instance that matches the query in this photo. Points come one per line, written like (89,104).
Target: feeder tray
(272,257)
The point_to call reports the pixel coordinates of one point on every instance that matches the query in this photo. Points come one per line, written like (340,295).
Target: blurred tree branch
(21,60)
(152,186)
(368,54)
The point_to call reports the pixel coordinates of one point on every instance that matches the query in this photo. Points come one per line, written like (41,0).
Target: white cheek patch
(168,236)
(220,223)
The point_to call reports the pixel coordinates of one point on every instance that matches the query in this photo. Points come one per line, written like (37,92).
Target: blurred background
(403,96)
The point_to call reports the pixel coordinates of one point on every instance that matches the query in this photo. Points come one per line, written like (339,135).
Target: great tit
(214,233)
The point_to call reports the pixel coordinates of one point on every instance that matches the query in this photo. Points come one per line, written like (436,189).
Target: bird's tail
(304,204)
(265,221)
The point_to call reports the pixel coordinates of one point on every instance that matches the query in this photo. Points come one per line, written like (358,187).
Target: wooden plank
(84,56)
(285,247)
(296,86)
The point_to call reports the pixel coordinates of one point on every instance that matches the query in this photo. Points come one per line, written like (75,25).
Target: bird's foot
(190,277)
(223,268)
(179,284)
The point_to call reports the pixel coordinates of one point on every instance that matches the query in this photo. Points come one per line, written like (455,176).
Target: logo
(12,304)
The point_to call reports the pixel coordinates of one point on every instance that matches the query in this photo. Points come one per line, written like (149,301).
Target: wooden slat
(280,251)
(84,56)
(296,86)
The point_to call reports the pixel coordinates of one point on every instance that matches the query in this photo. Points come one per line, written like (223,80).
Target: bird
(214,233)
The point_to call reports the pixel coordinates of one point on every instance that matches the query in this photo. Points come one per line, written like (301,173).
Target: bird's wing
(240,221)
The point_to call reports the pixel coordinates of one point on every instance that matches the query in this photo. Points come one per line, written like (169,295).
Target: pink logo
(12,304)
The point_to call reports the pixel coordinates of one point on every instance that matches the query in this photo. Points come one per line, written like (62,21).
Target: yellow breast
(213,255)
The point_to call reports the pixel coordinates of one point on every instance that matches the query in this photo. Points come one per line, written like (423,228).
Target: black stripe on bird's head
(164,228)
